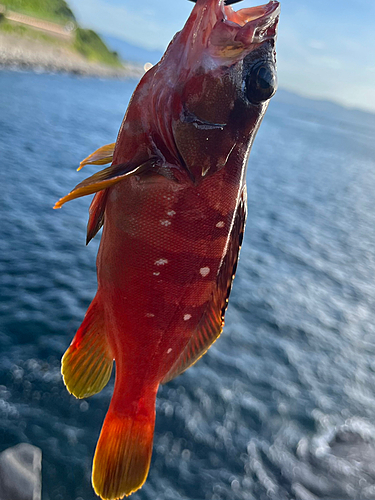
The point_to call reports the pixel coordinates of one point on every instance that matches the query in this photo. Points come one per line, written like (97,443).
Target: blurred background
(283,405)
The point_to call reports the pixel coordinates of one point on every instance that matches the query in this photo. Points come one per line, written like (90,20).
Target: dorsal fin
(101,156)
(212,322)
(105,179)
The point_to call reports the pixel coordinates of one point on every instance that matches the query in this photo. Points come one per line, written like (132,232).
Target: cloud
(317,44)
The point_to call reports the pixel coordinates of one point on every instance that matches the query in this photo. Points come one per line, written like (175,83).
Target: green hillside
(90,45)
(57,11)
(86,42)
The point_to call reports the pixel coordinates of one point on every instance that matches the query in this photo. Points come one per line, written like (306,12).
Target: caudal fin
(123,454)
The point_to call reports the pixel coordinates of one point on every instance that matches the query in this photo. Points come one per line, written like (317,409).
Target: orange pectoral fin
(101,156)
(104,179)
(212,322)
(87,364)
(122,455)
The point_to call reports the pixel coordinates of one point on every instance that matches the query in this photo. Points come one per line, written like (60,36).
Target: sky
(325,49)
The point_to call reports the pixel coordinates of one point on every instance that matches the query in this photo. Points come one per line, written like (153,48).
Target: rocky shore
(36,55)
(20,473)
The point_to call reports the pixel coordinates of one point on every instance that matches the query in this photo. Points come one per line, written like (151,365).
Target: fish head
(215,82)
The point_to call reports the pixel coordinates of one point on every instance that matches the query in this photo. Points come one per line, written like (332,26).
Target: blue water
(283,406)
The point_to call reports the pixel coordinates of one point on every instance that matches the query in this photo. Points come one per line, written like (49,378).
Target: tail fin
(123,454)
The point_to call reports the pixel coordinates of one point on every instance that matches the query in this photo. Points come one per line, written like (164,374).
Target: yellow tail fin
(123,454)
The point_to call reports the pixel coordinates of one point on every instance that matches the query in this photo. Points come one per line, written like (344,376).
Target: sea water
(283,405)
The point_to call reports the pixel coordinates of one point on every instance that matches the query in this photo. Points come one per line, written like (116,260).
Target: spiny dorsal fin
(212,322)
(101,156)
(87,364)
(104,179)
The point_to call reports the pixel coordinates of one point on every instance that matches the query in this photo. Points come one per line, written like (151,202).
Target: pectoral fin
(104,179)
(212,322)
(101,156)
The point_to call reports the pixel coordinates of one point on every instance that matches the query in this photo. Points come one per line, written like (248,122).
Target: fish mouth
(260,18)
(242,29)
(227,33)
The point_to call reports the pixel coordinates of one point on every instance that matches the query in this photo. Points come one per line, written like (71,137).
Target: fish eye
(261,82)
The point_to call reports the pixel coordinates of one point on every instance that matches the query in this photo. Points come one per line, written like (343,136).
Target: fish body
(173,204)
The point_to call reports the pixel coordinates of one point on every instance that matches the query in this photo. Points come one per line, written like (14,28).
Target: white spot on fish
(204,271)
(169,350)
(165,222)
(187,317)
(171,213)
(220,224)
(161,262)
(150,315)
(156,274)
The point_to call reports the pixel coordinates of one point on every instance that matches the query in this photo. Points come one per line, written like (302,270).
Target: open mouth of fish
(260,18)
(226,32)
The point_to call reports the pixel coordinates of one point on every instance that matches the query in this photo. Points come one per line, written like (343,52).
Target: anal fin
(87,364)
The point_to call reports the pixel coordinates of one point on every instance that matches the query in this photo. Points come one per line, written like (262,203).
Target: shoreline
(27,54)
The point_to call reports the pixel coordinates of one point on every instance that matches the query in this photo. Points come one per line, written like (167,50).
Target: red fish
(173,204)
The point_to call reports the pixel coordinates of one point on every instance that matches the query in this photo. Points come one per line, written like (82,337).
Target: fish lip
(260,17)
(235,33)
(265,27)
(272,8)
(215,34)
